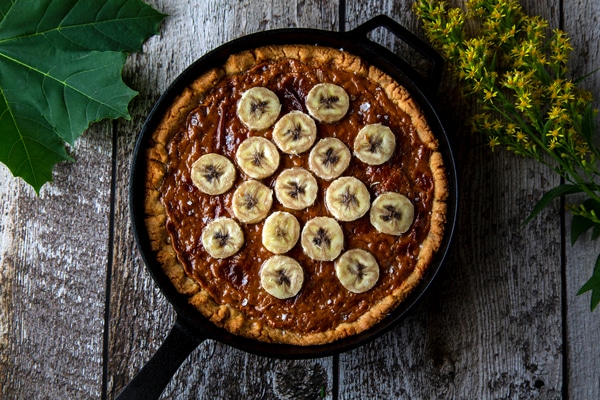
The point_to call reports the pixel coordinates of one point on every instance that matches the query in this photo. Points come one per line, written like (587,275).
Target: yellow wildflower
(497,15)
(560,57)
(555,89)
(487,125)
(489,94)
(555,133)
(555,112)
(565,118)
(477,84)
(565,97)
(523,102)
(515,68)
(582,150)
(493,142)
(471,73)
(521,136)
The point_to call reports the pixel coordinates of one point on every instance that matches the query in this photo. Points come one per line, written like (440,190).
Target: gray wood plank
(491,325)
(53,254)
(580,22)
(139,316)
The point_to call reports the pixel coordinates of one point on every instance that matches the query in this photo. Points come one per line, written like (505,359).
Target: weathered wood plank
(583,348)
(491,325)
(53,254)
(139,316)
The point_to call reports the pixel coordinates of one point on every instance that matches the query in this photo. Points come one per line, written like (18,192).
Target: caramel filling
(322,303)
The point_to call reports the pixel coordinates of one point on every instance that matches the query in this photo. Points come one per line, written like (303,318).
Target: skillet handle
(152,379)
(432,81)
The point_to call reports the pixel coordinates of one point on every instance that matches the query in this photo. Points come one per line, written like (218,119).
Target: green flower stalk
(515,68)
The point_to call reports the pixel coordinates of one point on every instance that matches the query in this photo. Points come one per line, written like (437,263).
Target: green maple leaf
(60,70)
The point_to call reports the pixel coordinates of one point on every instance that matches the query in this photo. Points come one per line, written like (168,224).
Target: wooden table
(80,315)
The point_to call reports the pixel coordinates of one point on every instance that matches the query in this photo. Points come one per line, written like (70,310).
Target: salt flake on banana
(296,188)
(327,102)
(374,144)
(258,108)
(257,157)
(322,239)
(357,270)
(222,237)
(252,202)
(329,158)
(280,232)
(295,132)
(281,276)
(347,198)
(392,213)
(213,174)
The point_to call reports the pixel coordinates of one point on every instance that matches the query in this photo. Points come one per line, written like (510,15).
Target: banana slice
(329,158)
(374,144)
(357,270)
(392,213)
(327,102)
(322,239)
(281,276)
(296,188)
(222,237)
(258,108)
(347,198)
(252,202)
(213,174)
(295,132)
(280,232)
(257,157)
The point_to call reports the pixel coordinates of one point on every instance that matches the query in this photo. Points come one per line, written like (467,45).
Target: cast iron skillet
(191,328)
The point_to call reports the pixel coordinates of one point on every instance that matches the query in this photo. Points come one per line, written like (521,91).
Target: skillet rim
(359,45)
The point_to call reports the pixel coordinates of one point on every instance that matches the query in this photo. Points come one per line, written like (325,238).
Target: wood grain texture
(140,318)
(497,304)
(52,276)
(583,346)
(501,321)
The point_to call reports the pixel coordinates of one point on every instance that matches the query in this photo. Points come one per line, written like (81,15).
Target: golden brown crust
(225,315)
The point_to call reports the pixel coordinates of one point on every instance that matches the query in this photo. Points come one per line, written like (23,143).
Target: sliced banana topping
(252,202)
(357,270)
(329,158)
(281,276)
(258,108)
(392,213)
(327,102)
(213,174)
(322,239)
(280,232)
(295,132)
(296,188)
(257,157)
(374,144)
(347,198)
(222,237)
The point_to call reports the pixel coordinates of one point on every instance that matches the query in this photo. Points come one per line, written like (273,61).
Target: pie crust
(301,320)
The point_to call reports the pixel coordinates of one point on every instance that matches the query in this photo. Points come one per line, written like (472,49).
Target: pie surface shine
(204,119)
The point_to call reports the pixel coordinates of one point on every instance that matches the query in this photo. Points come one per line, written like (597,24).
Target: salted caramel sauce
(323,302)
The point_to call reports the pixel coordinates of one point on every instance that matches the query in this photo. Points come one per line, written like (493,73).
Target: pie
(295,194)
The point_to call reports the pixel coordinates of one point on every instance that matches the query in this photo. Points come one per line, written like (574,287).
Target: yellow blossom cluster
(516,69)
